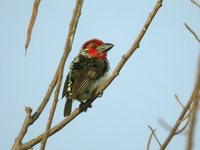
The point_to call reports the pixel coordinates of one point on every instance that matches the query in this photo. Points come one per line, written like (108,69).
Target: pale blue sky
(164,65)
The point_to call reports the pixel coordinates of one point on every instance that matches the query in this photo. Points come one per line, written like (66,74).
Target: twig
(192,125)
(168,127)
(195,105)
(180,118)
(150,137)
(193,33)
(179,101)
(178,122)
(31,23)
(195,3)
(68,45)
(23,131)
(187,117)
(125,57)
(184,127)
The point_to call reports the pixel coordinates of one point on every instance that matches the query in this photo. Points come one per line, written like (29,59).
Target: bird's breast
(89,93)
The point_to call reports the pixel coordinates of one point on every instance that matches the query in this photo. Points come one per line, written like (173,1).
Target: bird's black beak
(105,47)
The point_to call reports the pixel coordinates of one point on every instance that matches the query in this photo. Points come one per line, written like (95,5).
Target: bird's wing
(75,66)
(88,75)
(65,86)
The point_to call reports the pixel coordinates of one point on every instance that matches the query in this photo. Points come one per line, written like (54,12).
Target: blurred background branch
(195,3)
(192,32)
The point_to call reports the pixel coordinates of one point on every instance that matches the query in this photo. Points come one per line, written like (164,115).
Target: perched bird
(87,71)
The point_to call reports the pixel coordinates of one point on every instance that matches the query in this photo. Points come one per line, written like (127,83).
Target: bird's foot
(82,105)
(100,94)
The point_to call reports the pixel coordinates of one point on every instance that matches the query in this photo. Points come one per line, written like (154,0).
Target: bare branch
(192,125)
(18,139)
(179,101)
(178,122)
(195,105)
(184,127)
(68,45)
(31,23)
(46,97)
(35,116)
(193,33)
(185,110)
(150,137)
(125,57)
(167,127)
(195,3)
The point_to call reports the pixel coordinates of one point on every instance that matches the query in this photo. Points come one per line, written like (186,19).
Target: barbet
(87,72)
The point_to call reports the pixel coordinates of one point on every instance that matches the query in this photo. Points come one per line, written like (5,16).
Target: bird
(87,72)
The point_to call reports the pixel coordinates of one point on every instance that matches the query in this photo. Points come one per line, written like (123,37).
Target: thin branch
(195,3)
(178,122)
(125,57)
(150,138)
(152,134)
(195,105)
(192,125)
(31,23)
(52,111)
(167,127)
(46,98)
(184,127)
(193,33)
(180,118)
(68,45)
(179,101)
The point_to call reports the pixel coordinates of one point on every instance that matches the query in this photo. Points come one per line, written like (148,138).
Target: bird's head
(96,48)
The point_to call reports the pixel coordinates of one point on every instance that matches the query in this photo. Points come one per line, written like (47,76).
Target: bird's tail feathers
(68,107)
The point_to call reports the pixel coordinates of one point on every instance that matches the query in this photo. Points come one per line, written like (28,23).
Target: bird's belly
(90,91)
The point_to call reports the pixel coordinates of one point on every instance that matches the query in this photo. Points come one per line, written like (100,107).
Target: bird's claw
(100,94)
(81,105)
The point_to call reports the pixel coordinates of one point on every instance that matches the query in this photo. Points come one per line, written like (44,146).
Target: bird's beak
(105,47)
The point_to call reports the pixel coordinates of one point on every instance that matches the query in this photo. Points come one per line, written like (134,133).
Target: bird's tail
(68,107)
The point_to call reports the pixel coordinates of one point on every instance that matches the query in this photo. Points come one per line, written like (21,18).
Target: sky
(142,94)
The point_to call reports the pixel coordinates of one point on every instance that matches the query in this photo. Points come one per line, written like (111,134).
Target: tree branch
(183,113)
(168,127)
(31,23)
(124,59)
(195,105)
(23,131)
(193,33)
(30,120)
(192,125)
(195,3)
(150,137)
(68,45)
